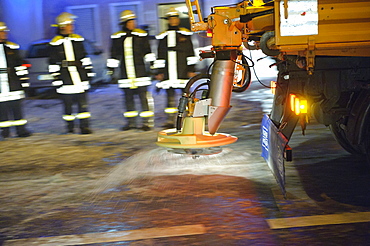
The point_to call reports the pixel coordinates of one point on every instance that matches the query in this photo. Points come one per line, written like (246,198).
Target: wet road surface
(118,188)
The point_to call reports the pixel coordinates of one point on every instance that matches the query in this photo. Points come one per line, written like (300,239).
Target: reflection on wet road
(118,188)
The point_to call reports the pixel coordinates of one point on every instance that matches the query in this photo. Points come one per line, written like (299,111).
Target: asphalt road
(119,188)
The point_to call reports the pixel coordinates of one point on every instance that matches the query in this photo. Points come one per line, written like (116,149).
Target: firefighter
(13,80)
(129,52)
(175,62)
(72,70)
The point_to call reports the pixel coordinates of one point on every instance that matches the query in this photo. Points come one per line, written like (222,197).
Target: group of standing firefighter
(72,71)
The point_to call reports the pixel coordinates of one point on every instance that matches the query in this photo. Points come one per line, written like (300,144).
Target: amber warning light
(273,87)
(209,33)
(298,105)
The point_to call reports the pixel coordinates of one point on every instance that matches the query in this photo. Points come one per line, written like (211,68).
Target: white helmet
(172,12)
(3,27)
(127,15)
(65,19)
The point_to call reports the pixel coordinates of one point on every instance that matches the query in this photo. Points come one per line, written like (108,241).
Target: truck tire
(340,136)
(367,141)
(264,44)
(367,148)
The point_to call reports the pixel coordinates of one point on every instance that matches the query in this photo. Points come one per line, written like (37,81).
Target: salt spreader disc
(192,136)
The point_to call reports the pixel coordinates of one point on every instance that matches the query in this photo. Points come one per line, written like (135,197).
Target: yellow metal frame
(227,31)
(195,11)
(343,27)
(343,30)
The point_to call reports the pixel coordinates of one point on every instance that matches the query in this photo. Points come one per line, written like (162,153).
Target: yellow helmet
(172,12)
(3,27)
(65,19)
(127,15)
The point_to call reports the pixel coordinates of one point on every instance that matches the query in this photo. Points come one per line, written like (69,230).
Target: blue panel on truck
(273,144)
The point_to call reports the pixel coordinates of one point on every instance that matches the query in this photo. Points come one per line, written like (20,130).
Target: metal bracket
(199,25)
(310,55)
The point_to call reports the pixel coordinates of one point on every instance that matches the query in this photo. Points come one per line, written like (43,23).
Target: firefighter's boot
(5,132)
(70,127)
(148,123)
(170,121)
(131,124)
(84,126)
(23,132)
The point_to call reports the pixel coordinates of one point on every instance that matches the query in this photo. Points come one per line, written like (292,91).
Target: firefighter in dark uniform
(175,61)
(13,80)
(72,70)
(129,53)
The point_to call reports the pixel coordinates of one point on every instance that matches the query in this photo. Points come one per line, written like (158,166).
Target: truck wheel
(367,147)
(359,124)
(340,137)
(265,41)
(367,142)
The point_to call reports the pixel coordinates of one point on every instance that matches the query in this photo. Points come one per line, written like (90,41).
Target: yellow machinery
(322,49)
